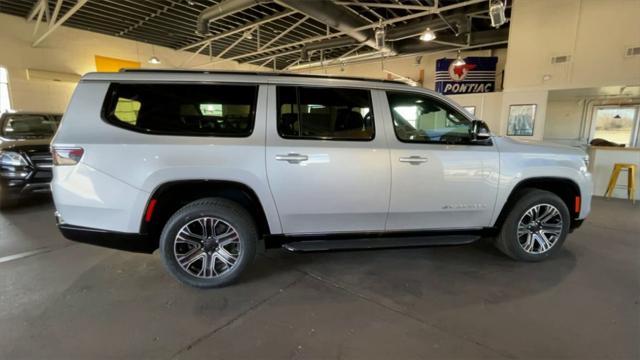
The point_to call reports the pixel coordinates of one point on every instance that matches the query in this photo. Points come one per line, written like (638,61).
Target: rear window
(183,109)
(23,126)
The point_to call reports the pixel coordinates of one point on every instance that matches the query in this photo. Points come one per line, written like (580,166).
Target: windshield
(21,126)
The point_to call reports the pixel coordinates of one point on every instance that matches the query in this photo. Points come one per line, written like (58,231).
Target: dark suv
(25,160)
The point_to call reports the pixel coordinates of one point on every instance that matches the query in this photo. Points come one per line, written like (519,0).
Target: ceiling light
(497,14)
(459,61)
(248,35)
(428,35)
(154,60)
(380,36)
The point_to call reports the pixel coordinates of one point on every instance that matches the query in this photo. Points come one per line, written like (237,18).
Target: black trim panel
(111,239)
(275,241)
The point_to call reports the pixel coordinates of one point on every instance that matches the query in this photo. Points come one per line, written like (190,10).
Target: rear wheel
(208,243)
(536,226)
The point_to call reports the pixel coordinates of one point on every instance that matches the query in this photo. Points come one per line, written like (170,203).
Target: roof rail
(259,73)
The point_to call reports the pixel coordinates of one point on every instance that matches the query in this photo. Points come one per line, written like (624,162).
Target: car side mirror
(479,130)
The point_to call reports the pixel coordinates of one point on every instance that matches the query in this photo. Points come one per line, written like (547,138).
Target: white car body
(342,187)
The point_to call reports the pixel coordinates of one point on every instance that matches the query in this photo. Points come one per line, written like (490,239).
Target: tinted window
(325,113)
(21,126)
(419,118)
(206,110)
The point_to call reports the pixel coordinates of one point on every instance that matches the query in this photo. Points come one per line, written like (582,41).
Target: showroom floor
(67,300)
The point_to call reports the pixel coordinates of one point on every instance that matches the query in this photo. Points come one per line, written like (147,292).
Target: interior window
(182,109)
(325,113)
(418,118)
(616,124)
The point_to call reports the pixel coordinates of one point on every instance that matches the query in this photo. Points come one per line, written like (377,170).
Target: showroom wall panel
(71,51)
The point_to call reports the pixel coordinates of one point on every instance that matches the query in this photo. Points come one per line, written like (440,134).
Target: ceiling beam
(240,29)
(385,5)
(365,27)
(284,33)
(56,11)
(57,24)
(232,45)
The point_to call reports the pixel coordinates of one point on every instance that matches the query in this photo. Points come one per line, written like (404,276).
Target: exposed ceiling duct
(335,16)
(326,44)
(397,33)
(224,8)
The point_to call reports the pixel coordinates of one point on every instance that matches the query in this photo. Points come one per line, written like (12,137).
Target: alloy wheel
(539,228)
(207,247)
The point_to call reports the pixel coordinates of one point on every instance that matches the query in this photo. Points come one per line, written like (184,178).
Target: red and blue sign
(477,75)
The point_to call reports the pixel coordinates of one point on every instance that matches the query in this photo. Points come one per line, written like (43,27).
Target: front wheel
(208,243)
(536,226)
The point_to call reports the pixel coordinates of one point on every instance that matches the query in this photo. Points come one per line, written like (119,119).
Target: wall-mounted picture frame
(471,110)
(522,119)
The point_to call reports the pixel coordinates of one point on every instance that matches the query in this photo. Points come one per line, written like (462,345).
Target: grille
(41,160)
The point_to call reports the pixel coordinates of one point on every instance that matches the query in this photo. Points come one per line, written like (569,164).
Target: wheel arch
(567,189)
(169,197)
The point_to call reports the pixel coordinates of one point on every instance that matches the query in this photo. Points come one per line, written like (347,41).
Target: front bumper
(12,189)
(133,242)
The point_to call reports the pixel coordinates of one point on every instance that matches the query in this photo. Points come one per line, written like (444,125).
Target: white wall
(564,120)
(70,50)
(488,107)
(594,33)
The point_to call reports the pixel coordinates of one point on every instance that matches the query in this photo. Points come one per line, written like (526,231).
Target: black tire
(507,240)
(230,213)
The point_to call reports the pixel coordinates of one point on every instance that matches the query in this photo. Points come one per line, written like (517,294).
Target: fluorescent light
(154,60)
(428,35)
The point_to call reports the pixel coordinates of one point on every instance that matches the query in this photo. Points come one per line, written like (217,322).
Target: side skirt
(355,241)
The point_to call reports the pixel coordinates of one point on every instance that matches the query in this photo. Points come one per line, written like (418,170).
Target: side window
(325,113)
(183,109)
(421,119)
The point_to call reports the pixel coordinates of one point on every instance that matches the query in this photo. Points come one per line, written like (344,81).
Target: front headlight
(12,158)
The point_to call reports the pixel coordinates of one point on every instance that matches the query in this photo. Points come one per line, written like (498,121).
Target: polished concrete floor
(62,300)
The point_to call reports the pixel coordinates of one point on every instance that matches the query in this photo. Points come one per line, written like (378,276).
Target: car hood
(25,144)
(506,144)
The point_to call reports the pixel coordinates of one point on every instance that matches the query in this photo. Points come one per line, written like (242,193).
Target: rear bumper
(133,242)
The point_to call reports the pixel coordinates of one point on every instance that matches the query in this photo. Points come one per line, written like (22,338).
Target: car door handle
(414,160)
(292,158)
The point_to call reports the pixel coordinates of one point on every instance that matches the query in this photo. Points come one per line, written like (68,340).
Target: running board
(379,243)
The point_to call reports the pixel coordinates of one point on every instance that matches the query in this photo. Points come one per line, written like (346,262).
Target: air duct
(392,34)
(335,16)
(224,8)
(327,44)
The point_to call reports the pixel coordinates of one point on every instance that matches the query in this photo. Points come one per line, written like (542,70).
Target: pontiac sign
(477,75)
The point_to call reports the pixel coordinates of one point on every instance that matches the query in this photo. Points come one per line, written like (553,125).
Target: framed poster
(521,120)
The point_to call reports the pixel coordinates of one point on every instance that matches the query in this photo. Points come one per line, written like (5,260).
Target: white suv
(211,166)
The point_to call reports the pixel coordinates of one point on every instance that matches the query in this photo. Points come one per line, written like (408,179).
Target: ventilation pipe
(224,8)
(394,34)
(335,16)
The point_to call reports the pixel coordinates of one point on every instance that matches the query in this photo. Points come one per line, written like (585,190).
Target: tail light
(67,155)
